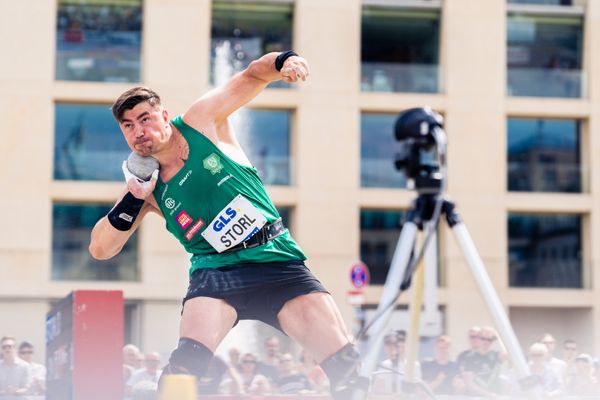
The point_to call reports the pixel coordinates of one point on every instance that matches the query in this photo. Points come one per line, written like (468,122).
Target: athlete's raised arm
(216,105)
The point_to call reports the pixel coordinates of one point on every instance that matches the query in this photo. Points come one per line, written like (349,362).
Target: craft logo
(184,220)
(194,229)
(187,175)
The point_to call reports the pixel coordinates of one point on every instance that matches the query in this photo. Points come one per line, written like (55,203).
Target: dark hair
(132,98)
(25,345)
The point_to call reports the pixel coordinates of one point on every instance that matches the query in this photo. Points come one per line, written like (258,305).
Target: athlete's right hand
(139,188)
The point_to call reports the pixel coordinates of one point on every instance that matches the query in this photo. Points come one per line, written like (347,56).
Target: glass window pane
(544,55)
(265,137)
(71,228)
(379,233)
(546,2)
(88,144)
(399,49)
(544,250)
(544,155)
(99,40)
(243,31)
(286,216)
(378,151)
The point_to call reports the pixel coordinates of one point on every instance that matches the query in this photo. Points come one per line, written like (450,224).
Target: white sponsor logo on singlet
(170,203)
(187,175)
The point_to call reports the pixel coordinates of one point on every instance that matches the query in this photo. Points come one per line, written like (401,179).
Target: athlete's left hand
(139,188)
(294,68)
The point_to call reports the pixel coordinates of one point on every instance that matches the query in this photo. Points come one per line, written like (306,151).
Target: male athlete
(245,264)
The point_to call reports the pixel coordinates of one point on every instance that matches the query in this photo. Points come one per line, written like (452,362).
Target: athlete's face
(146,128)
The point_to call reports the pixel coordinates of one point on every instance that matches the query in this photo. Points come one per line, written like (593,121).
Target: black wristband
(282,57)
(123,215)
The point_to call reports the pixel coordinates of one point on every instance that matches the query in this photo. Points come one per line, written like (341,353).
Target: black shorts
(256,291)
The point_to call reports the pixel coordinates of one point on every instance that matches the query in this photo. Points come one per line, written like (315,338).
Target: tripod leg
(491,297)
(394,278)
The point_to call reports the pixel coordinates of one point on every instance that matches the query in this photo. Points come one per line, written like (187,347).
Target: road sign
(359,275)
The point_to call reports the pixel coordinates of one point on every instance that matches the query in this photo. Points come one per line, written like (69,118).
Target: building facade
(516,81)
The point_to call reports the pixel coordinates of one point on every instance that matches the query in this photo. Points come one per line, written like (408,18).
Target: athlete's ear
(165,115)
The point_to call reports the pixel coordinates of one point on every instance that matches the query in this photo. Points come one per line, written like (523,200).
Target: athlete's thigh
(207,320)
(314,321)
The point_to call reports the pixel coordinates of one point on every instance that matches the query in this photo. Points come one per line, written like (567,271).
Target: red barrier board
(84,347)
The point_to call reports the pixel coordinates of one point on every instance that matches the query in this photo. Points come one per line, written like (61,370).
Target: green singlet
(207,183)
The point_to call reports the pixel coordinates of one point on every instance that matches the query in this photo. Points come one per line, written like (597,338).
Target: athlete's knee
(342,369)
(190,357)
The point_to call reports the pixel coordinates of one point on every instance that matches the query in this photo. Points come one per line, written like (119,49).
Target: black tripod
(421,128)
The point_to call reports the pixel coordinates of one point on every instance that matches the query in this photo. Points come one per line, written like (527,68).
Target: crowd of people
(19,375)
(484,369)
(481,370)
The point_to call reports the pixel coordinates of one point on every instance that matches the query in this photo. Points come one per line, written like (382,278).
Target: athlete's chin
(144,151)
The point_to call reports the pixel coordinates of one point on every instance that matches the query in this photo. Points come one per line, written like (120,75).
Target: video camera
(418,130)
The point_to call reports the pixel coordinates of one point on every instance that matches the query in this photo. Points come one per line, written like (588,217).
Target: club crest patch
(213,163)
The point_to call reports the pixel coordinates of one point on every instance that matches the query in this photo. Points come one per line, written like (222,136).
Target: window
(550,2)
(88,144)
(243,31)
(99,40)
(265,137)
(378,151)
(545,250)
(544,54)
(286,216)
(379,233)
(71,228)
(544,155)
(400,49)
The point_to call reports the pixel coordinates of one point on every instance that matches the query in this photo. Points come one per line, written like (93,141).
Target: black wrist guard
(123,215)
(282,57)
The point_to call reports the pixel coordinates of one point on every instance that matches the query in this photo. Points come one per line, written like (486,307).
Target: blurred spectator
(390,375)
(474,343)
(234,358)
(14,372)
(144,390)
(268,366)
(481,369)
(569,353)
(37,372)
(558,365)
(150,372)
(441,373)
(254,382)
(583,382)
(131,357)
(543,379)
(290,380)
(316,376)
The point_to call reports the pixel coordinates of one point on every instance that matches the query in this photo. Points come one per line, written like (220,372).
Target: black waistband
(266,233)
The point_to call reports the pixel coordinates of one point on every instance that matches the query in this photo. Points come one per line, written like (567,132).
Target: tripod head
(418,131)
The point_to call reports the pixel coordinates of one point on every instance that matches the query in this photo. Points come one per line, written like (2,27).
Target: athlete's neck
(174,155)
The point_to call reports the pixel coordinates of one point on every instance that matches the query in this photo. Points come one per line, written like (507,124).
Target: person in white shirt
(150,372)
(388,379)
(37,372)
(14,372)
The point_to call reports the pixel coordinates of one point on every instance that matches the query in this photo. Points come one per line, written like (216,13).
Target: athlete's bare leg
(314,321)
(206,320)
